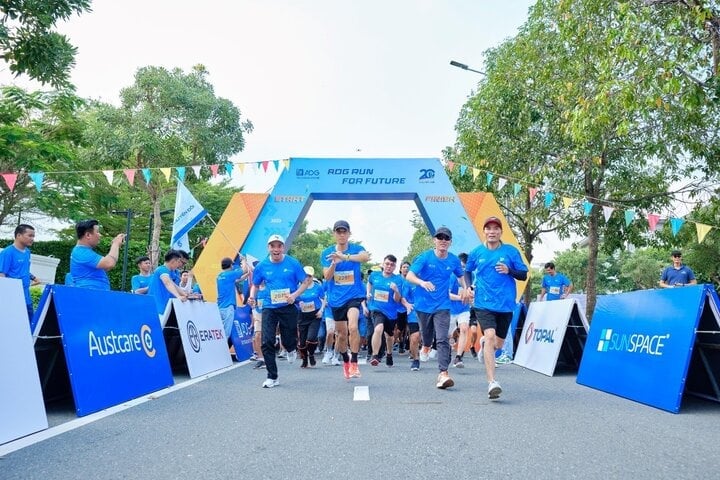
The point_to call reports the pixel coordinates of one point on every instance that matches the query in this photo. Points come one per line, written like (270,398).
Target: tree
(40,132)
(30,46)
(420,240)
(166,119)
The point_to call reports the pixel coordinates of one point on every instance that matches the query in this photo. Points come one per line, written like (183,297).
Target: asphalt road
(310,427)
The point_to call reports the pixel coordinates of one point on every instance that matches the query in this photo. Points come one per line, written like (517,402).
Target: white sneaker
(270,383)
(335,360)
(424,356)
(503,359)
(282,354)
(292,356)
(433,354)
(494,390)
(327,357)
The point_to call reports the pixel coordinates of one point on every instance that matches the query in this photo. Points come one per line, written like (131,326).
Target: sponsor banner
(203,338)
(242,334)
(641,343)
(22,410)
(113,345)
(543,335)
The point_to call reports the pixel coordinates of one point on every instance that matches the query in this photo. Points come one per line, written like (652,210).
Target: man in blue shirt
(140,282)
(87,267)
(15,261)
(555,285)
(496,266)
(226,300)
(285,280)
(162,287)
(431,271)
(677,274)
(383,296)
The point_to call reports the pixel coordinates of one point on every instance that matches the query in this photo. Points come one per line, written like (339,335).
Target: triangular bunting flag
(475,173)
(501,183)
(130,175)
(265,165)
(166,171)
(228,168)
(549,197)
(702,230)
(653,220)
(196,171)
(567,201)
(286,162)
(214,169)
(676,224)
(516,189)
(450,166)
(37,177)
(463,169)
(533,192)
(181,173)
(10,179)
(147,174)
(276,163)
(629,217)
(587,207)
(607,211)
(241,167)
(488,178)
(109,174)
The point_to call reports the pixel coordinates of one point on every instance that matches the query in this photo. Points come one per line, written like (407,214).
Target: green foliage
(28,43)
(421,239)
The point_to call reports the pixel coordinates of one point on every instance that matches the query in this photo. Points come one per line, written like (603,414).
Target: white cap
(309,270)
(276,238)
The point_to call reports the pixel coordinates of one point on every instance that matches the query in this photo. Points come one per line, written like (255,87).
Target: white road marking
(361,394)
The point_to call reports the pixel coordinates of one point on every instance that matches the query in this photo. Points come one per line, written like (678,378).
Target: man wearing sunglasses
(677,274)
(432,271)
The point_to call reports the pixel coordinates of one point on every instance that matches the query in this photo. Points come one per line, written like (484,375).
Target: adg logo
(307,173)
(631,343)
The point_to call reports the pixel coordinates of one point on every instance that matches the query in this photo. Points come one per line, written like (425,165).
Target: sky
(318,78)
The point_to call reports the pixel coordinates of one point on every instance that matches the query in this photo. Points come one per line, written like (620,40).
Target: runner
(311,304)
(383,297)
(459,317)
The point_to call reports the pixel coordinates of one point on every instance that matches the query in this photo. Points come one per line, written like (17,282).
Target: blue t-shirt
(281,279)
(15,263)
(226,287)
(346,284)
(382,297)
(429,268)
(84,269)
(311,299)
(158,289)
(673,276)
(553,285)
(408,293)
(494,291)
(457,306)
(139,281)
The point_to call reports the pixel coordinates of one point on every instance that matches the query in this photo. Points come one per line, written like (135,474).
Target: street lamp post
(465,67)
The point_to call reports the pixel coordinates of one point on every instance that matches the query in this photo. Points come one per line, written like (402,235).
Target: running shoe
(473,352)
(270,383)
(282,354)
(389,360)
(444,381)
(374,361)
(424,355)
(346,370)
(354,370)
(311,359)
(503,359)
(415,365)
(433,353)
(260,364)
(292,356)
(335,360)
(494,390)
(458,363)
(327,357)
(253,357)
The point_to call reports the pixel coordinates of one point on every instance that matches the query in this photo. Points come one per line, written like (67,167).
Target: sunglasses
(442,236)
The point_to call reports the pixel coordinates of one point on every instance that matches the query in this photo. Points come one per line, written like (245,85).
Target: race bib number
(381,296)
(307,307)
(346,277)
(555,290)
(280,295)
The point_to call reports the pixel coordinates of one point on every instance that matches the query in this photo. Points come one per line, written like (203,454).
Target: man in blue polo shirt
(555,285)
(88,268)
(141,282)
(226,281)
(677,274)
(15,261)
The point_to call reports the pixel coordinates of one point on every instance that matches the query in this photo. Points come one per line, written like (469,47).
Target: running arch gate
(250,218)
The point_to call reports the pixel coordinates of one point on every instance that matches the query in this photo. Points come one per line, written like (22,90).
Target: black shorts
(402,321)
(413,327)
(473,318)
(379,318)
(498,321)
(340,313)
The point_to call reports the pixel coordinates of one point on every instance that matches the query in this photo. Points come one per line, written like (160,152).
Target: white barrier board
(22,410)
(543,333)
(203,337)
